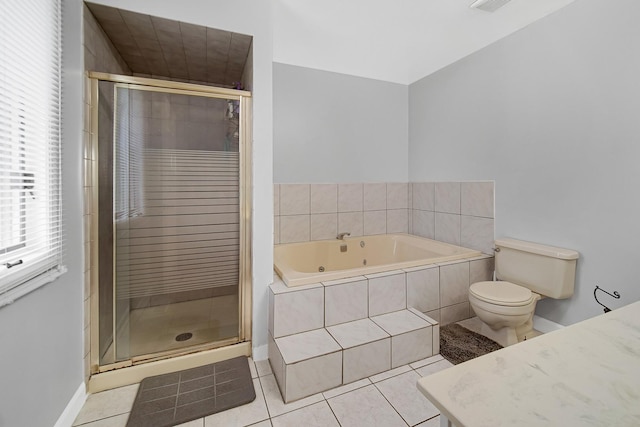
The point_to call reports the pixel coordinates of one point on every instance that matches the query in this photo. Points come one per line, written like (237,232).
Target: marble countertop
(587,374)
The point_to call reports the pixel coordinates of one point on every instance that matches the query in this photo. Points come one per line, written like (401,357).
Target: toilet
(525,273)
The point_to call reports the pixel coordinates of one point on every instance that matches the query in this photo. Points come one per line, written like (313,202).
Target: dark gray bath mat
(458,344)
(175,398)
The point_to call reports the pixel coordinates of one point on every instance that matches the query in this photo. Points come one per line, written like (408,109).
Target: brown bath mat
(458,344)
(176,398)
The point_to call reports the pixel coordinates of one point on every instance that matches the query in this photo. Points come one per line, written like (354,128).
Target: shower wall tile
(478,233)
(324,198)
(375,222)
(423,196)
(294,228)
(345,301)
(397,195)
(423,289)
(454,284)
(424,224)
(448,228)
(426,209)
(411,346)
(453,313)
(387,293)
(324,226)
(276,230)
(294,199)
(375,197)
(398,221)
(351,222)
(447,197)
(298,311)
(481,270)
(350,198)
(476,199)
(434,314)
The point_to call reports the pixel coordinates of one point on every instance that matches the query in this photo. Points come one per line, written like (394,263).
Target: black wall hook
(615,295)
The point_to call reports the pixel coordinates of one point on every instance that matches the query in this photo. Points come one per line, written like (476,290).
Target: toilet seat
(502,293)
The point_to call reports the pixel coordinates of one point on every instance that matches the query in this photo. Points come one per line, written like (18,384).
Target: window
(30,187)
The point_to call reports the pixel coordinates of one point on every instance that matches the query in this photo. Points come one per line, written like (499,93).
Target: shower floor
(154,329)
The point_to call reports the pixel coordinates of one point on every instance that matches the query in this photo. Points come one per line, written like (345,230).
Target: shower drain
(184,337)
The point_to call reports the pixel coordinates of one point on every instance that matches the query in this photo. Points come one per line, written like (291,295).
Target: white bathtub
(313,262)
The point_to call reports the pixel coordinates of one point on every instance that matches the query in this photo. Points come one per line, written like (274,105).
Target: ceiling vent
(488,5)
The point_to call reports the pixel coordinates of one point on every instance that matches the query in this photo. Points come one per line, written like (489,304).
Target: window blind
(30,182)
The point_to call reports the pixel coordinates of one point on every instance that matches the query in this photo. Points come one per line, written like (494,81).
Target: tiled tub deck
(331,333)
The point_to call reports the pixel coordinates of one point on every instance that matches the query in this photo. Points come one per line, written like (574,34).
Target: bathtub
(312,262)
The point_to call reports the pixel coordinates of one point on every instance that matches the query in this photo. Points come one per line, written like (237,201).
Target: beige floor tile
(402,393)
(365,407)
(427,361)
(346,388)
(195,423)
(316,415)
(391,373)
(252,368)
(433,368)
(107,404)
(276,405)
(263,368)
(265,423)
(117,421)
(433,422)
(244,415)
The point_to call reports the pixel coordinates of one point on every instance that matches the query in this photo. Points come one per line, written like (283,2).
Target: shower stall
(171,238)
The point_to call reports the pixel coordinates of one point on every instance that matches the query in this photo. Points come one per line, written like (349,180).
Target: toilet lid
(501,293)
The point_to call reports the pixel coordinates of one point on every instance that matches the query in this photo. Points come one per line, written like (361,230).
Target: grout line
(100,419)
(391,404)
(331,409)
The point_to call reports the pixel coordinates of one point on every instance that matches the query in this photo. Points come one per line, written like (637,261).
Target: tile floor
(388,399)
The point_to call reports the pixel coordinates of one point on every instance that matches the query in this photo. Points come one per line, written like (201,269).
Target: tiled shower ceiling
(162,47)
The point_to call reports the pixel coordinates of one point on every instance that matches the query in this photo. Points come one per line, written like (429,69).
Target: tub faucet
(341,236)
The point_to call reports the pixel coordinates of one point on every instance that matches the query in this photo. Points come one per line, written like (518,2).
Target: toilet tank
(546,270)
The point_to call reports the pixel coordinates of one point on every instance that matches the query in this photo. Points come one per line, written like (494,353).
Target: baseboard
(73,408)
(544,325)
(260,353)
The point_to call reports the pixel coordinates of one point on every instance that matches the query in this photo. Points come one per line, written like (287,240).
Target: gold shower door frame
(193,355)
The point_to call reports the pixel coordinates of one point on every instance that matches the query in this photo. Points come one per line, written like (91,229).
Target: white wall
(550,113)
(252,17)
(334,128)
(41,333)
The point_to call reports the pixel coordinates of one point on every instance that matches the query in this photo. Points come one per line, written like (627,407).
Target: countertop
(587,374)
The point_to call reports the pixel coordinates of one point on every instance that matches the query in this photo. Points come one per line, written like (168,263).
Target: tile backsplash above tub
(461,213)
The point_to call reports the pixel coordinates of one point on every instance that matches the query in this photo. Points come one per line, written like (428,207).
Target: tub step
(314,361)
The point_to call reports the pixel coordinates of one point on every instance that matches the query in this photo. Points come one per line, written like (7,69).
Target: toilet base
(503,336)
(508,336)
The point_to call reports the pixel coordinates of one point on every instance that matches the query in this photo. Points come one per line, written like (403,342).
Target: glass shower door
(176,222)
